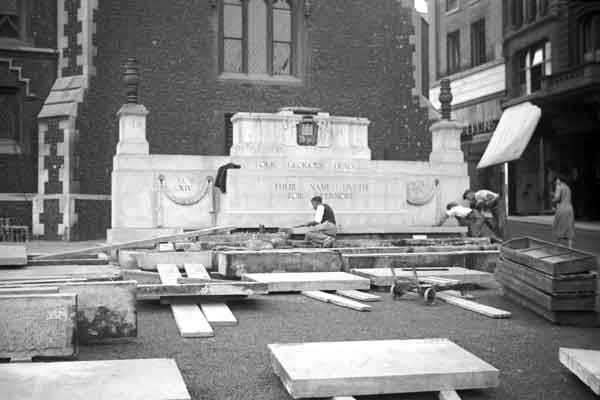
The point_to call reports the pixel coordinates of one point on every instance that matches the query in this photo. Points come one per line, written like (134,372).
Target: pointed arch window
(258,37)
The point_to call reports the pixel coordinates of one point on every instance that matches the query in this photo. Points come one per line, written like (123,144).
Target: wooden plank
(143,379)
(571,318)
(585,282)
(5,284)
(75,261)
(358,295)
(188,317)
(218,314)
(135,243)
(337,300)
(38,325)
(459,294)
(383,276)
(190,321)
(585,364)
(302,281)
(559,302)
(325,369)
(13,254)
(448,395)
(62,271)
(29,290)
(575,261)
(470,305)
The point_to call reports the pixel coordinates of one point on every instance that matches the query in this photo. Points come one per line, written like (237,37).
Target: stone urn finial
(445,98)
(131,79)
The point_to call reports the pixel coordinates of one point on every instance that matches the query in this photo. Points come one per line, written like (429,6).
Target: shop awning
(511,135)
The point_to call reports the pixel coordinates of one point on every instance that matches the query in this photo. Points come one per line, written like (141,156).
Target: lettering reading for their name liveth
(329,191)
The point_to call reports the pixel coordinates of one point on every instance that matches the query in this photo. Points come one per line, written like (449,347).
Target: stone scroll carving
(185,190)
(421,192)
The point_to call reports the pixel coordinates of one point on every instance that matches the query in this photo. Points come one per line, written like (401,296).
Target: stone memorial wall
(285,158)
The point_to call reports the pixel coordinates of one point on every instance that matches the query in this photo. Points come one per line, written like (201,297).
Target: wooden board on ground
(547,257)
(29,290)
(448,395)
(300,281)
(583,282)
(38,325)
(188,317)
(218,314)
(143,379)
(337,300)
(358,295)
(13,254)
(571,318)
(135,243)
(353,368)
(558,302)
(96,272)
(585,364)
(383,276)
(75,261)
(479,308)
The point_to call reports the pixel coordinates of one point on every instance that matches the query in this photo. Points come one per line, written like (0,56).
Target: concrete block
(105,310)
(236,263)
(383,276)
(148,260)
(325,369)
(144,379)
(13,254)
(429,259)
(300,281)
(583,363)
(37,325)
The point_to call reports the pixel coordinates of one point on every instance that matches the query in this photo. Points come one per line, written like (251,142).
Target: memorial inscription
(328,191)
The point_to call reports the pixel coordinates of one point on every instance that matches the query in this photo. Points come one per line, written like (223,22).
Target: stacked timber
(553,281)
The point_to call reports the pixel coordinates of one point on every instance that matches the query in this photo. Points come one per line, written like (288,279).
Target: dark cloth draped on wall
(221,179)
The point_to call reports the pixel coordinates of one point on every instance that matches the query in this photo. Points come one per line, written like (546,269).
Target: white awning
(511,135)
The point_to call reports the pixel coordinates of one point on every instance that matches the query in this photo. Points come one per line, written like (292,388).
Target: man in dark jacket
(323,226)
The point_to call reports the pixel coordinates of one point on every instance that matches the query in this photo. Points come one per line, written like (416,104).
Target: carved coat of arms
(307,132)
(420,192)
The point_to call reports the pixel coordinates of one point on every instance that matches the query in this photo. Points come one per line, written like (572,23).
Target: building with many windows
(466,47)
(201,61)
(552,50)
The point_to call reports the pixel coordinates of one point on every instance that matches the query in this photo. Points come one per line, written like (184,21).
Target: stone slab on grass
(300,281)
(583,363)
(326,369)
(235,263)
(37,325)
(142,379)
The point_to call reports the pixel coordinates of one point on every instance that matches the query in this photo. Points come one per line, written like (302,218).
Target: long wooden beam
(136,243)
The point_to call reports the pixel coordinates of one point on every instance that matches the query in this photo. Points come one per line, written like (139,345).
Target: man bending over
(323,228)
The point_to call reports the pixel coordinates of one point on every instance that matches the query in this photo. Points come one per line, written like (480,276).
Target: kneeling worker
(323,228)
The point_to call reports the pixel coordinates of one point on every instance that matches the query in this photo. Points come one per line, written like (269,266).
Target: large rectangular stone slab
(38,325)
(583,363)
(326,369)
(428,259)
(148,260)
(238,262)
(300,281)
(105,310)
(383,276)
(143,379)
(13,254)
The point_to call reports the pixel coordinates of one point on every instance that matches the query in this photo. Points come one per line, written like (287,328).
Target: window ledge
(9,146)
(263,79)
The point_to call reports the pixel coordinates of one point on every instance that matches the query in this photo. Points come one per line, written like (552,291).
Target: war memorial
(309,260)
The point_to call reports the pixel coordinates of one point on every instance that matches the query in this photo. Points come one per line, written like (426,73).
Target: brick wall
(358,63)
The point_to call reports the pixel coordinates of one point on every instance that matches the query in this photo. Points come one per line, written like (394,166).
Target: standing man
(491,206)
(323,228)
